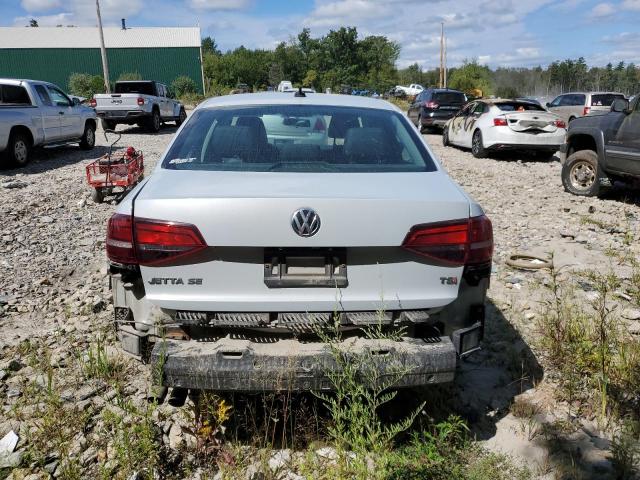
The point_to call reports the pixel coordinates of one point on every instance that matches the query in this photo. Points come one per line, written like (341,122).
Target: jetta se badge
(305,222)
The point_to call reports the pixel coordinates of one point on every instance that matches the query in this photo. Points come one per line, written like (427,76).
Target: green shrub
(85,85)
(183,85)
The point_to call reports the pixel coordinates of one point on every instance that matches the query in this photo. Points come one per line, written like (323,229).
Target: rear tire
(580,174)
(97,196)
(88,140)
(419,124)
(477,145)
(182,116)
(108,125)
(18,149)
(445,137)
(571,119)
(154,123)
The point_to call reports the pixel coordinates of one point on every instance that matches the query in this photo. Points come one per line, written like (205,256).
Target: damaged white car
(247,239)
(491,125)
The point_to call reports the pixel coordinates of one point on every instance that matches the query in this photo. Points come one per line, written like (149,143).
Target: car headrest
(365,145)
(256,125)
(228,141)
(340,123)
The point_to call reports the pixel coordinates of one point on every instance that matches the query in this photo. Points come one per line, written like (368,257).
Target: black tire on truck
(580,174)
(108,125)
(182,116)
(154,122)
(88,140)
(18,149)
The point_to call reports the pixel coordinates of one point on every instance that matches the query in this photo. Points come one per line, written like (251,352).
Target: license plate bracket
(305,268)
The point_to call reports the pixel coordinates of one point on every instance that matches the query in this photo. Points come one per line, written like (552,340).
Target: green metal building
(54,53)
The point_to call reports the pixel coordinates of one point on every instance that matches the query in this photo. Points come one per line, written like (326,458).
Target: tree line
(342,59)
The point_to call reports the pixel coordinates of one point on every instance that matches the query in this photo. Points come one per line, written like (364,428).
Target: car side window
(557,101)
(43,95)
(566,101)
(578,100)
(162,91)
(479,109)
(58,97)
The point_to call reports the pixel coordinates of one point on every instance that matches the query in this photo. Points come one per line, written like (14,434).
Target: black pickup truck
(602,149)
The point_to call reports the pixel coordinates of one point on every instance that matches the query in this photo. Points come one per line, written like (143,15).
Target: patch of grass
(625,450)
(96,363)
(135,439)
(446,453)
(596,360)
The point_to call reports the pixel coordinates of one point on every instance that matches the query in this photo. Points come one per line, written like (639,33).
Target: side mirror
(619,105)
(548,104)
(75,101)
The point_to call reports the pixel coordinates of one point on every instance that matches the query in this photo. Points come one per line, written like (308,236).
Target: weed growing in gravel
(625,450)
(596,359)
(134,441)
(361,387)
(96,363)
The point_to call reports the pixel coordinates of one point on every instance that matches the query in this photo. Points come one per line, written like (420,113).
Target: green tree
(85,85)
(183,85)
(470,77)
(209,45)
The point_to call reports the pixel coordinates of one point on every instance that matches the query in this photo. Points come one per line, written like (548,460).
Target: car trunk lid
(532,122)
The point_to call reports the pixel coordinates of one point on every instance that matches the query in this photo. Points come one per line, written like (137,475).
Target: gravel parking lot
(54,288)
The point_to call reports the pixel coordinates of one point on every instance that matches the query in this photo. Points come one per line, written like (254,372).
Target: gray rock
(280,460)
(10,460)
(327,452)
(51,467)
(176,438)
(46,219)
(631,314)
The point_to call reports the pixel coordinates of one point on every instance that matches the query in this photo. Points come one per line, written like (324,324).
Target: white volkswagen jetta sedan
(227,261)
(492,125)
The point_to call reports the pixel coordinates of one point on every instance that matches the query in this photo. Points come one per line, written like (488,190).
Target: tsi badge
(449,280)
(175,281)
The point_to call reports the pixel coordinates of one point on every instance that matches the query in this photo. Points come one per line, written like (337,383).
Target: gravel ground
(54,288)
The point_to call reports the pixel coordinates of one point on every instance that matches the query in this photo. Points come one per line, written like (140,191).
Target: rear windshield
(518,106)
(455,98)
(298,138)
(14,95)
(143,88)
(604,99)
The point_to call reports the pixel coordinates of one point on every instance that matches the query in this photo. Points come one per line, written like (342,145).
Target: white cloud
(40,5)
(601,11)
(46,20)
(631,5)
(218,4)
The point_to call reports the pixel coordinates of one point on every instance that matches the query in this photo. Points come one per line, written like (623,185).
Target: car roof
(289,98)
(591,93)
(438,90)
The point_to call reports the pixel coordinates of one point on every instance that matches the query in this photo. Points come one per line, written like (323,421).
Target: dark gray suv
(434,106)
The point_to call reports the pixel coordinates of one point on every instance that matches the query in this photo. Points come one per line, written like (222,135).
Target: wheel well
(155,107)
(24,130)
(91,122)
(581,142)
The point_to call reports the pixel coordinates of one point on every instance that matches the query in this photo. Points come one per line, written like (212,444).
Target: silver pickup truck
(143,102)
(34,114)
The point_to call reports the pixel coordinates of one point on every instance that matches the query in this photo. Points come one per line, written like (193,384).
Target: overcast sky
(497,32)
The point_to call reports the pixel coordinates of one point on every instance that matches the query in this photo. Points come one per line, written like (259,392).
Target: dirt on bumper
(243,365)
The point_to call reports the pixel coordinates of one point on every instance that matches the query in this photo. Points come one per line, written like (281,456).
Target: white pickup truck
(411,90)
(34,114)
(143,102)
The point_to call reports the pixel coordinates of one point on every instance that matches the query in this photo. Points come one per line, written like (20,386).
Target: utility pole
(103,51)
(441,80)
(445,62)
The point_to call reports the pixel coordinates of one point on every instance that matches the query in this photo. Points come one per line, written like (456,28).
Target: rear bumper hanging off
(243,365)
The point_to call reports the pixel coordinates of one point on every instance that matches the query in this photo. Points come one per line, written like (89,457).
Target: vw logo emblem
(305,222)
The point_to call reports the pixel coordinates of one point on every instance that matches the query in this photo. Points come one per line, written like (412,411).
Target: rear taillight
(157,241)
(455,243)
(140,101)
(499,122)
(93,103)
(432,105)
(560,124)
(586,111)
(120,240)
(150,242)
